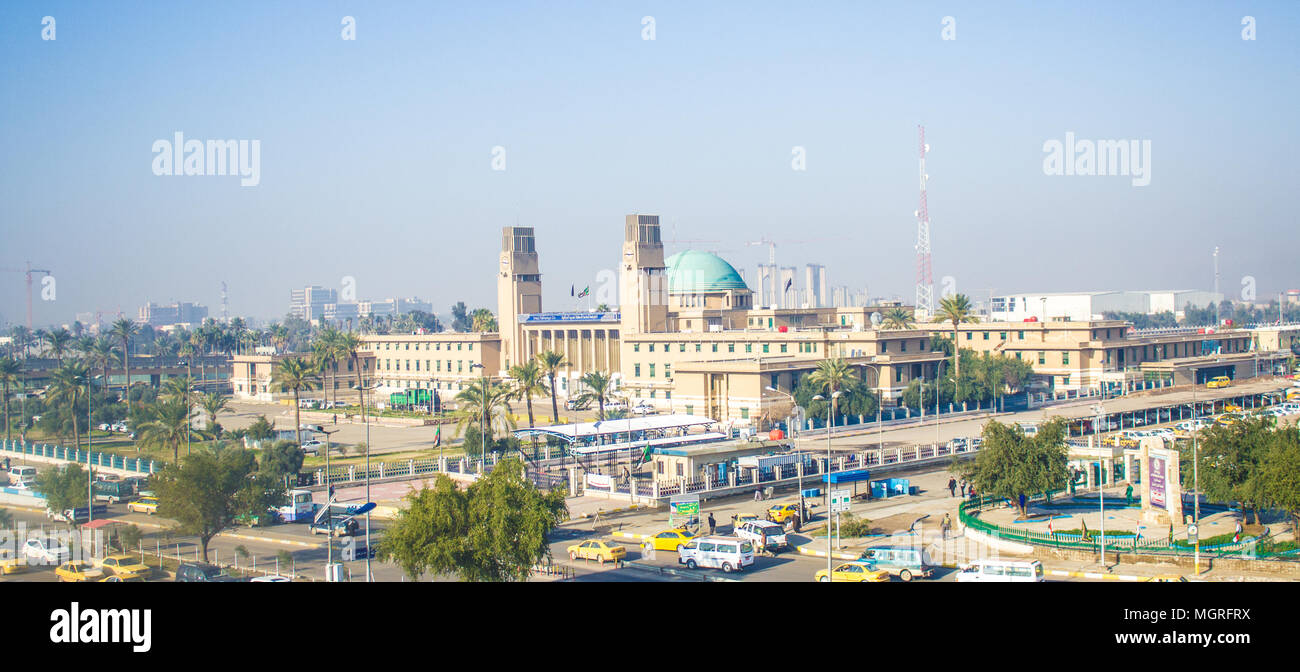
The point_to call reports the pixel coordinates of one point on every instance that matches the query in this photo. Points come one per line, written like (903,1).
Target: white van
(1001,571)
(730,554)
(22,477)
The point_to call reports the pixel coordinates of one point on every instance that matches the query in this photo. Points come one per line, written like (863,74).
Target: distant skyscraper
(767,290)
(157,315)
(788,288)
(309,303)
(814,283)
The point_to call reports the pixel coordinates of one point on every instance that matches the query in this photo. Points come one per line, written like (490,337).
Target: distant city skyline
(378,157)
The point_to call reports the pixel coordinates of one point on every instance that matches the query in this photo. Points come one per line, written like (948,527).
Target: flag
(585,291)
(437,436)
(787,284)
(572,289)
(1049,526)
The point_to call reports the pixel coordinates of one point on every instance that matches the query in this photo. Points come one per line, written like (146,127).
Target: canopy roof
(574,432)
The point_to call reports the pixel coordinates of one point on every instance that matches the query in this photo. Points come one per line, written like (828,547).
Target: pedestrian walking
(963,487)
(1022,502)
(1128,494)
(945,526)
(952,486)
(796,521)
(712,523)
(758,494)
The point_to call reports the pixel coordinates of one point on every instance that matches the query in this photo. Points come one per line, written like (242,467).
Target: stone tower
(519,290)
(643,280)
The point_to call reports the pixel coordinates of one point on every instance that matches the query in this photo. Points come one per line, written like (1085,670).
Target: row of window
(731,347)
(921,345)
(429,365)
(668,370)
(427,346)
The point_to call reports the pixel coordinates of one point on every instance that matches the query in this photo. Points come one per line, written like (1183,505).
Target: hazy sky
(376,154)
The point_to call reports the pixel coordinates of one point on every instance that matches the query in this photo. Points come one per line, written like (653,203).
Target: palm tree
(597,388)
(22,338)
(213,403)
(486,402)
(956,309)
(527,384)
(10,374)
(484,320)
(551,362)
(180,387)
(833,375)
(101,355)
(60,341)
(237,330)
(186,350)
(326,350)
(68,386)
(349,345)
(124,329)
(297,374)
(898,318)
(168,426)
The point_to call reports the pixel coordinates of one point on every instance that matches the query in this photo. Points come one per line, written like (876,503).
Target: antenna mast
(924,274)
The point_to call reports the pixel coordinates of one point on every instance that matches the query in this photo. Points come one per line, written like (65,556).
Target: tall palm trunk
(297,416)
(555,407)
(356,366)
(6,400)
(956,354)
(126,370)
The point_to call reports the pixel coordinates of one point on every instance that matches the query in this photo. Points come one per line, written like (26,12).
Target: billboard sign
(1156,478)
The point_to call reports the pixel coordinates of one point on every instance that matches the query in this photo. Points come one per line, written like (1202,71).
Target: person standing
(712,523)
(952,486)
(963,487)
(758,494)
(946,525)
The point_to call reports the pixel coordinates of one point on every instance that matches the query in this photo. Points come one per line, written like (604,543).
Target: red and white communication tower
(924,273)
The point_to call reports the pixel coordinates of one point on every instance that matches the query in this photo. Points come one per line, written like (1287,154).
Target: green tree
(59,341)
(494,531)
(596,387)
(1232,465)
(124,330)
(281,459)
(1011,464)
(64,486)
(831,376)
(68,389)
(551,362)
(460,319)
(261,429)
(168,426)
(297,374)
(1282,474)
(484,403)
(898,318)
(205,492)
(956,309)
(212,404)
(11,374)
(526,383)
(328,350)
(484,321)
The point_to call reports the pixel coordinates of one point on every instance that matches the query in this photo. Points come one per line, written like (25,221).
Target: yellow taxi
(597,550)
(122,579)
(78,571)
(1218,382)
(147,505)
(10,563)
(1227,419)
(125,566)
(855,572)
(779,513)
(669,540)
(1232,408)
(742,518)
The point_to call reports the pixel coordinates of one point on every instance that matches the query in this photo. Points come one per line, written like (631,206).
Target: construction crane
(29,271)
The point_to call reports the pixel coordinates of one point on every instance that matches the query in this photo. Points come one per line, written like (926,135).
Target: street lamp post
(366,416)
(1101,491)
(1196,480)
(830,402)
(329,510)
(90,474)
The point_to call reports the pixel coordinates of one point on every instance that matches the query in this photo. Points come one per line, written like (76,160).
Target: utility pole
(924,273)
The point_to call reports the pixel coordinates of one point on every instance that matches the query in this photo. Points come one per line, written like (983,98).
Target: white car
(104,427)
(1290,408)
(643,408)
(270,578)
(755,530)
(47,551)
(312,447)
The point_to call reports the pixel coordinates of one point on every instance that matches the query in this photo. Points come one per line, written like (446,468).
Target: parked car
(1001,571)
(779,513)
(311,428)
(22,476)
(643,408)
(312,447)
(854,572)
(114,491)
(10,563)
(597,550)
(202,572)
(122,579)
(1219,382)
(78,571)
(904,562)
(48,551)
(270,578)
(576,405)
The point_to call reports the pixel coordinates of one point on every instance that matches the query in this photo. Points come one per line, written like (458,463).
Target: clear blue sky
(375,154)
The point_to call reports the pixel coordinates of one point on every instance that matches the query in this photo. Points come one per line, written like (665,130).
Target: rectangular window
(636,370)
(884,346)
(668,394)
(904,346)
(417,365)
(690,409)
(731,347)
(697,347)
(652,370)
(681,348)
(460,366)
(636,347)
(1065,358)
(1002,336)
(744,414)
(773,381)
(1020,335)
(652,347)
(749,347)
(458,345)
(986,335)
(898,375)
(668,370)
(652,394)
(968,335)
(1042,357)
(440,366)
(715,347)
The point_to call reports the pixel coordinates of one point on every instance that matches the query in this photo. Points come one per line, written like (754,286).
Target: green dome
(694,272)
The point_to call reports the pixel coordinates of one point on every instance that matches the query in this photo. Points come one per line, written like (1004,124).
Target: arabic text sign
(1156,474)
